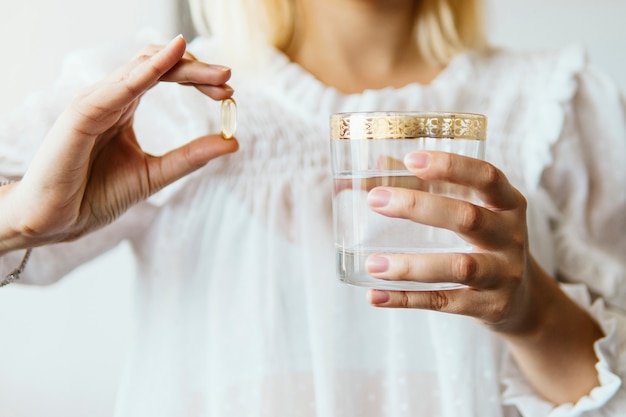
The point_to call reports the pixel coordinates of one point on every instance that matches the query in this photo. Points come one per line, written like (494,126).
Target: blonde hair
(443,28)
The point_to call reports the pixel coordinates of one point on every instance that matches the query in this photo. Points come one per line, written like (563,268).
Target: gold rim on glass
(408,125)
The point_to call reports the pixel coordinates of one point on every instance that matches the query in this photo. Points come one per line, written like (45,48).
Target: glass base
(381,284)
(351,270)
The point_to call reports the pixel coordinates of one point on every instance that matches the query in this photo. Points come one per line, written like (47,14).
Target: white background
(62,347)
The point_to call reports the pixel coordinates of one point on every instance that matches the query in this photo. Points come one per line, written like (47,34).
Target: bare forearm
(556,354)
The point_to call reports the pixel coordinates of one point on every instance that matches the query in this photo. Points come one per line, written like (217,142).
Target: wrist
(12,236)
(555,346)
(9,237)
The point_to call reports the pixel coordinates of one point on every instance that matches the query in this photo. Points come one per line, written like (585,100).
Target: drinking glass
(367,150)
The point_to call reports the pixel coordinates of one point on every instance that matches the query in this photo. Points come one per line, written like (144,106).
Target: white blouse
(238,310)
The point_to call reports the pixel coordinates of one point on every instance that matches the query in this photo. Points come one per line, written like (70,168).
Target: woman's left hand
(499,273)
(549,335)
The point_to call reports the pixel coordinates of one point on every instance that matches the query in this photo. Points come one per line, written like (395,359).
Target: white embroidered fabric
(238,311)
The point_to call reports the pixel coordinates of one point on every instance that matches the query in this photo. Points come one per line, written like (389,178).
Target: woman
(238,309)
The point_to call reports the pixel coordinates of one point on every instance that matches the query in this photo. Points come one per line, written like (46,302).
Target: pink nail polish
(378,297)
(376,264)
(379,197)
(220,67)
(417,160)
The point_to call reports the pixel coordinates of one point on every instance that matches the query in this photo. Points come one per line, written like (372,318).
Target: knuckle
(470,218)
(411,202)
(87,107)
(447,162)
(144,55)
(88,110)
(404,269)
(154,174)
(499,310)
(516,272)
(464,267)
(522,202)
(131,87)
(404,300)
(189,158)
(82,94)
(438,301)
(518,241)
(492,176)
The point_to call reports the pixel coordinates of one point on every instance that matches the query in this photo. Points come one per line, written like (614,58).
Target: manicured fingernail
(379,197)
(376,264)
(220,67)
(417,160)
(378,296)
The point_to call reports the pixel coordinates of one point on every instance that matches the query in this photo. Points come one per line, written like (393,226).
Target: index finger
(134,79)
(489,183)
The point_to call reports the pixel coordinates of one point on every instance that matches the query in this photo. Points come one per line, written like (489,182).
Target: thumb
(177,163)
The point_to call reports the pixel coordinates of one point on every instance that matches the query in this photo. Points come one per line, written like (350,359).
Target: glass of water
(367,150)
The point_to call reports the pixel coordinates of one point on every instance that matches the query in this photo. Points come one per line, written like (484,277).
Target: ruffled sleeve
(585,178)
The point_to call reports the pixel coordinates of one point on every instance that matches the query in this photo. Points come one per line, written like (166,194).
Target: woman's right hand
(90,167)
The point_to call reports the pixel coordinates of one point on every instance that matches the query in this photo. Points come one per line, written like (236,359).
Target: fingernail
(220,67)
(171,43)
(379,197)
(378,296)
(376,264)
(417,160)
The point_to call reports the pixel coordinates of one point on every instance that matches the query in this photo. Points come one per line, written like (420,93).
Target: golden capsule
(228,118)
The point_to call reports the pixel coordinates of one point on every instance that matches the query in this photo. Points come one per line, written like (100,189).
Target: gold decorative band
(408,125)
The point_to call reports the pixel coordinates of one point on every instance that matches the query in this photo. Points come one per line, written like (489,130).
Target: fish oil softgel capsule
(228,118)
